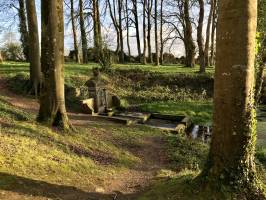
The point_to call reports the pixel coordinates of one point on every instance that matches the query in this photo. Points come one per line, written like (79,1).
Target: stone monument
(100,100)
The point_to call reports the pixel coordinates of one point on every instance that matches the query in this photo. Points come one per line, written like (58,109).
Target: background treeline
(127,30)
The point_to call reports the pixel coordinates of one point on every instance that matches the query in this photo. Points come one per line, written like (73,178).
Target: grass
(37,160)
(39,163)
(85,69)
(199,111)
(166,69)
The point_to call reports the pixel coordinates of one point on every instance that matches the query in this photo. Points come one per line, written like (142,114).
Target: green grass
(34,158)
(48,161)
(200,112)
(73,69)
(166,69)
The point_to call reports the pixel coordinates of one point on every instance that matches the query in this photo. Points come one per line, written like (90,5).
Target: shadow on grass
(36,188)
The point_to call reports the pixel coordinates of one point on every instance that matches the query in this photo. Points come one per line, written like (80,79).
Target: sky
(9,32)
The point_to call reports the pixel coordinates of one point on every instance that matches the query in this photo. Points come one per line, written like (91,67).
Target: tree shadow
(36,188)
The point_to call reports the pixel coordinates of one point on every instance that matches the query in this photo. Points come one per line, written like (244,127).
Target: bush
(13,52)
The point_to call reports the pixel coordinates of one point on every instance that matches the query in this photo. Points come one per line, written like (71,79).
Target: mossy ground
(103,160)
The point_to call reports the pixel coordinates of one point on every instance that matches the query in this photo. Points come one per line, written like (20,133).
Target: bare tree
(200,38)
(23,28)
(214,23)
(144,32)
(34,47)
(136,23)
(208,29)
(161,33)
(84,40)
(74,31)
(97,30)
(156,33)
(149,16)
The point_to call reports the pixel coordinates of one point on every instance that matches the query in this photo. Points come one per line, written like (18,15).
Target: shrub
(13,52)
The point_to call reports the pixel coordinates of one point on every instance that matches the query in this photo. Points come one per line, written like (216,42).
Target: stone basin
(172,123)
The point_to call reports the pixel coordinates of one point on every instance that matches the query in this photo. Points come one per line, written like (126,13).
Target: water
(202,133)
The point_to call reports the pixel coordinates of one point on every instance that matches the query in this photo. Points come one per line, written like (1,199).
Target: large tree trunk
(188,39)
(136,18)
(156,33)
(150,4)
(214,21)
(74,31)
(52,101)
(200,38)
(231,161)
(23,29)
(84,40)
(161,33)
(144,32)
(207,43)
(34,47)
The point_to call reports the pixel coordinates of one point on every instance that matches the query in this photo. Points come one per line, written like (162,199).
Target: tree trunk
(135,13)
(97,31)
(188,39)
(112,11)
(156,33)
(34,47)
(200,38)
(121,53)
(231,161)
(84,40)
(74,31)
(127,24)
(214,19)
(52,101)
(23,29)
(161,33)
(207,43)
(150,3)
(144,32)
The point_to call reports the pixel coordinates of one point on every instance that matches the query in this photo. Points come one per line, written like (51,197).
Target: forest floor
(100,161)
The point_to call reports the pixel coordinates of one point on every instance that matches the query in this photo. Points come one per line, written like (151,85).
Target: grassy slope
(38,162)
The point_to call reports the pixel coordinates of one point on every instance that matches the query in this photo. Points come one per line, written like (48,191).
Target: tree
(231,162)
(136,23)
(52,101)
(214,22)
(261,56)
(156,33)
(200,38)
(34,47)
(120,27)
(144,32)
(84,40)
(97,30)
(73,23)
(161,33)
(127,27)
(23,29)
(208,29)
(149,7)
(188,39)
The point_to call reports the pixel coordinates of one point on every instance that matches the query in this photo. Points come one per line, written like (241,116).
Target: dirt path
(122,186)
